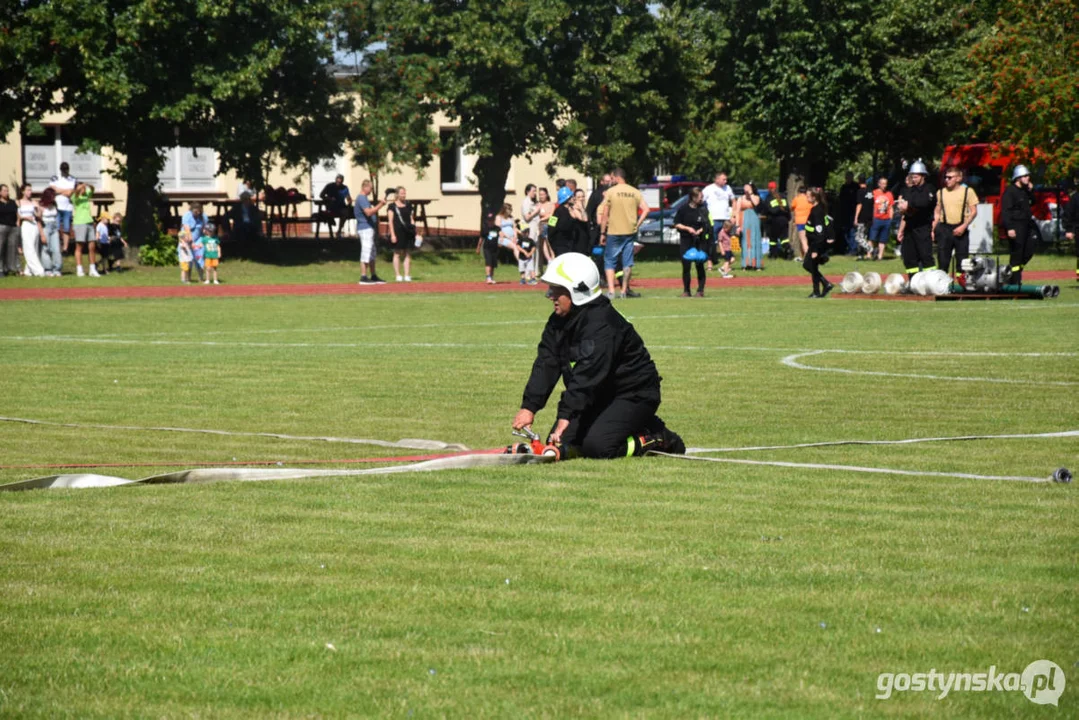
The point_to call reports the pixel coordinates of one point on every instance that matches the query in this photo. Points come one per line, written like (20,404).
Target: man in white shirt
(64,185)
(718,197)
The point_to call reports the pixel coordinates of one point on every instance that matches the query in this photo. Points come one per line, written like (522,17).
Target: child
(103,245)
(526,254)
(212,248)
(488,243)
(198,252)
(724,242)
(184,255)
(117,242)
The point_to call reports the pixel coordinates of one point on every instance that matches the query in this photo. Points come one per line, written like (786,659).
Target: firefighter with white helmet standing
(917,203)
(608,407)
(1015,222)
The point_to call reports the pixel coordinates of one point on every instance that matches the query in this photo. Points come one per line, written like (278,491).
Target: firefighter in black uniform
(561,226)
(917,203)
(1015,222)
(778,213)
(1071,226)
(608,407)
(820,236)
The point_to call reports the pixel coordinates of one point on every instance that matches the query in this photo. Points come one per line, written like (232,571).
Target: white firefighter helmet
(918,168)
(894,284)
(872,283)
(578,274)
(851,282)
(1020,171)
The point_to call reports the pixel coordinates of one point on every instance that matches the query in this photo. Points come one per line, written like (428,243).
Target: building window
(455,165)
(188,169)
(42,154)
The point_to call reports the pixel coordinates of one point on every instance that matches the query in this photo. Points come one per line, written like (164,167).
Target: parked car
(664,191)
(659,230)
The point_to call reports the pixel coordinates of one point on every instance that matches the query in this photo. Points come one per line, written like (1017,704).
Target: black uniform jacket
(598,355)
(1015,209)
(561,231)
(921,204)
(819,230)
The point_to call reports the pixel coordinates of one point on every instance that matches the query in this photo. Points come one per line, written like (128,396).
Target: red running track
(89,292)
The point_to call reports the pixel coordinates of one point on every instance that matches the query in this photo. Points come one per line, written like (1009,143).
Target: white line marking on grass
(266,345)
(411,443)
(907,441)
(792,361)
(859,469)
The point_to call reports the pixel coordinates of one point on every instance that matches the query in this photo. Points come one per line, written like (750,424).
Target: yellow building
(448,182)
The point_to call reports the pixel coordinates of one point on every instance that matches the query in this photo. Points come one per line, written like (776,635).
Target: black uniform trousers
(947,242)
(1022,250)
(917,249)
(686,264)
(778,243)
(610,430)
(812,265)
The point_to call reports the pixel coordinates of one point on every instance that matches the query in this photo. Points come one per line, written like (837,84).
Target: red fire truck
(987,170)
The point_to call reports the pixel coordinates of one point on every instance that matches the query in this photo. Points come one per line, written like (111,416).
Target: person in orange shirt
(801,207)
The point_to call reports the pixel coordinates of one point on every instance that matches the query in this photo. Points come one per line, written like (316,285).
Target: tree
(248,78)
(593,81)
(821,81)
(1026,90)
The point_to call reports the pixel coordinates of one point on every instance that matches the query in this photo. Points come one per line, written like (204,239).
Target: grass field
(644,587)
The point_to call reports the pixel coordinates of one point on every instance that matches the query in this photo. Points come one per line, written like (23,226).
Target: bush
(159,252)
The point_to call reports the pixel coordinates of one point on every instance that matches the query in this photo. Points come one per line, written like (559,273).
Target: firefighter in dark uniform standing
(820,236)
(1015,222)
(778,213)
(608,407)
(561,226)
(1071,226)
(917,204)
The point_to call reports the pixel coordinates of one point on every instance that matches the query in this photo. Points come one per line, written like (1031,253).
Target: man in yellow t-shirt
(956,206)
(620,217)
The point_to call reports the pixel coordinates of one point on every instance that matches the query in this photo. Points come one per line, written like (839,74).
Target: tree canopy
(1025,93)
(248,78)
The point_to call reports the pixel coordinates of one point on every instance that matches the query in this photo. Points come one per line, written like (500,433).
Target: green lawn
(644,587)
(311,262)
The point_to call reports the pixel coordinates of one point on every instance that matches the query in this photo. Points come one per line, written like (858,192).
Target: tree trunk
(491,173)
(143,166)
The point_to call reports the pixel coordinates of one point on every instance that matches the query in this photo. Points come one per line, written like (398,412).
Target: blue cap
(564,194)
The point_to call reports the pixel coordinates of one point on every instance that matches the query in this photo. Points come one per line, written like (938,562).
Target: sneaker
(797,259)
(700,293)
(93,272)
(364,280)
(685,294)
(827,289)
(813,295)
(631,294)
(399,279)
(490,280)
(610,295)
(533,281)
(621,296)
(217,282)
(523,281)
(408,278)
(376,280)
(80,272)
(205,282)
(727,276)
